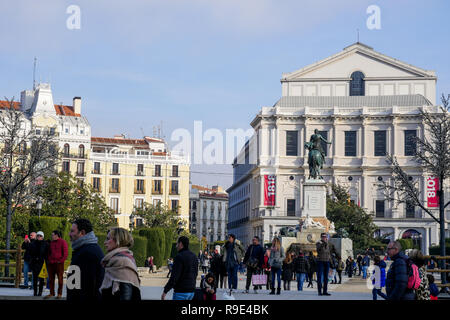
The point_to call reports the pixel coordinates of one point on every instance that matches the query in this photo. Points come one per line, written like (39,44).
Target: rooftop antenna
(34,73)
(357,37)
(142,132)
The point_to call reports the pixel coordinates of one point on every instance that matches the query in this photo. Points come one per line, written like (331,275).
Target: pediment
(358,57)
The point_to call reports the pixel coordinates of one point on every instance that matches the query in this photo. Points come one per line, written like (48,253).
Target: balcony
(95,171)
(174,192)
(156,191)
(114,190)
(81,174)
(136,191)
(140,173)
(74,156)
(174,156)
(115,173)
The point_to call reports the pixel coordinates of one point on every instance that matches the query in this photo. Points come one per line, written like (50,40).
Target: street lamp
(39,206)
(209,234)
(131,222)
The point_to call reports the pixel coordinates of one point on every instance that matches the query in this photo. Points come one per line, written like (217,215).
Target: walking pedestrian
(301,268)
(169,266)
(434,290)
(287,271)
(365,263)
(254,260)
(323,263)
(204,260)
(38,254)
(423,291)
(340,267)
(312,268)
(232,256)
(333,267)
(57,255)
(27,259)
(121,281)
(358,262)
(378,278)
(397,276)
(266,269)
(86,263)
(276,258)
(184,273)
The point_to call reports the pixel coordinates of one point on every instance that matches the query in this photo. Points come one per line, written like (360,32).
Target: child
(208,286)
(434,291)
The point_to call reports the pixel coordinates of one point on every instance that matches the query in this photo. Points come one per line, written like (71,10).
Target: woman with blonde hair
(121,281)
(288,268)
(276,261)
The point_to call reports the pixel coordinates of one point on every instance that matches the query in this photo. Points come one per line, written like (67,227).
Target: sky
(138,63)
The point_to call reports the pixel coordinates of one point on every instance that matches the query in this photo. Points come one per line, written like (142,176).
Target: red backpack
(413,274)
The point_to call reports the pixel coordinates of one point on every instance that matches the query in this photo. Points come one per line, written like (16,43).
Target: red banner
(432,188)
(269,190)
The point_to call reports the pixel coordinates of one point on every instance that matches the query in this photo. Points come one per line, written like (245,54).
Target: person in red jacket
(57,254)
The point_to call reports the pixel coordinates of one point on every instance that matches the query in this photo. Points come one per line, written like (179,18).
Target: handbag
(259,279)
(43,274)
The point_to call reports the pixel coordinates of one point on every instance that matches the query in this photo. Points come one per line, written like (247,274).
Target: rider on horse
(315,145)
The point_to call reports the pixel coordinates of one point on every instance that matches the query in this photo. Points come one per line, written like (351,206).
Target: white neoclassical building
(363,102)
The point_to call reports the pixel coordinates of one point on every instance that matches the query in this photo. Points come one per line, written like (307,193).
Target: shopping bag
(43,274)
(259,279)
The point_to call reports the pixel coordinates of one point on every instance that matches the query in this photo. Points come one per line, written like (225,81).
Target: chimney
(119,136)
(77,105)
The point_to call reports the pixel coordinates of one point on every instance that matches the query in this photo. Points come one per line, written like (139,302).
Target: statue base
(315,198)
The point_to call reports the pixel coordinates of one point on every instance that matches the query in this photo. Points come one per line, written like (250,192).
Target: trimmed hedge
(407,244)
(156,242)
(169,235)
(47,225)
(194,246)
(436,250)
(139,248)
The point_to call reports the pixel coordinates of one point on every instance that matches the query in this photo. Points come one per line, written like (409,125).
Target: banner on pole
(269,190)
(432,188)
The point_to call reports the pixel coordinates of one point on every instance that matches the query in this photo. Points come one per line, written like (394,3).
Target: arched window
(66,150)
(357,84)
(81,151)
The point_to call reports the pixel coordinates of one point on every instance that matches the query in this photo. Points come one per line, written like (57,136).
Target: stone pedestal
(314,198)
(344,247)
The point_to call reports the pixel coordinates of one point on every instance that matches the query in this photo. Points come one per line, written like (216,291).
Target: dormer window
(357,84)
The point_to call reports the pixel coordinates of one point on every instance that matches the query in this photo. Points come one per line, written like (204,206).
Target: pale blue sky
(136,63)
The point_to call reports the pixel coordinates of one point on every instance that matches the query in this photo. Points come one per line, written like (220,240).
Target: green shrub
(155,244)
(101,239)
(436,250)
(169,236)
(406,244)
(194,246)
(139,250)
(47,225)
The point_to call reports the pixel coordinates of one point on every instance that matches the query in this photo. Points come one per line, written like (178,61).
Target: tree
(433,153)
(28,154)
(157,216)
(64,196)
(350,219)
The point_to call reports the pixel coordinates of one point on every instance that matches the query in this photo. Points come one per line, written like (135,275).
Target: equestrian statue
(316,155)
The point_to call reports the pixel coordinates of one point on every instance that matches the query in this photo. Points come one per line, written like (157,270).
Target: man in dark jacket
(301,268)
(358,262)
(184,273)
(85,274)
(38,253)
(27,258)
(232,256)
(254,259)
(397,276)
(324,250)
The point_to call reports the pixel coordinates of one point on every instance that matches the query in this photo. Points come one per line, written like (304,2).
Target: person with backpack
(324,250)
(423,292)
(333,268)
(340,267)
(301,268)
(378,280)
(398,275)
(276,258)
(365,263)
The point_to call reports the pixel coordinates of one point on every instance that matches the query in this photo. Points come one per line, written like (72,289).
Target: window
(410,210)
(380,143)
(81,151)
(66,130)
(114,185)
(324,134)
(156,202)
(174,187)
(291,207)
(350,143)
(139,203)
(38,131)
(410,143)
(52,131)
(212,206)
(158,170)
(174,205)
(194,205)
(357,84)
(140,170)
(66,150)
(139,186)
(96,183)
(115,168)
(157,186)
(114,204)
(80,169)
(379,208)
(174,171)
(96,167)
(66,166)
(291,143)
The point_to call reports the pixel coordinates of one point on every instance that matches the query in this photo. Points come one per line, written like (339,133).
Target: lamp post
(209,235)
(39,206)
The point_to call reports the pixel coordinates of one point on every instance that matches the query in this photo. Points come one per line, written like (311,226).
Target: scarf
(119,267)
(89,238)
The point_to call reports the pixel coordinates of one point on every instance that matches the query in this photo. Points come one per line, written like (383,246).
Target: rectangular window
(379,208)
(174,171)
(96,183)
(291,143)
(114,205)
(157,186)
(115,168)
(80,169)
(350,143)
(114,185)
(139,203)
(66,166)
(174,205)
(291,207)
(324,134)
(410,210)
(174,187)
(156,202)
(96,167)
(410,143)
(380,143)
(158,170)
(139,186)
(140,170)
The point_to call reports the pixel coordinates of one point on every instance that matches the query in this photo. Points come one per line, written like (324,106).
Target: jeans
(26,270)
(364,270)
(250,273)
(276,271)
(378,292)
(232,277)
(300,279)
(323,268)
(183,296)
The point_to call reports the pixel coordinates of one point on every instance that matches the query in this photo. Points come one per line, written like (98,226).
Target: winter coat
(324,250)
(423,292)
(365,262)
(397,280)
(340,265)
(216,263)
(286,273)
(38,254)
(238,253)
(26,246)
(276,258)
(312,262)
(87,256)
(301,264)
(184,272)
(255,252)
(382,279)
(58,251)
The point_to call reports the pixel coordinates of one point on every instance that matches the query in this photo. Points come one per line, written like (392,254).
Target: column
(425,240)
(396,233)
(359,143)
